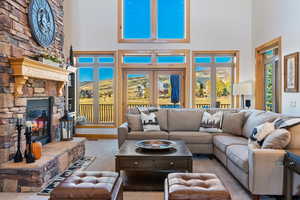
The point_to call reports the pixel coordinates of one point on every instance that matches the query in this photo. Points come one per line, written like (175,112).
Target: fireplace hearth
(39,113)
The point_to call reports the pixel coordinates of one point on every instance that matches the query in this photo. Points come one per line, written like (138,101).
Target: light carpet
(104,150)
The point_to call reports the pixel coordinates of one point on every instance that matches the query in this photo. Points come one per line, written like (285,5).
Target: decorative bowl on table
(155,144)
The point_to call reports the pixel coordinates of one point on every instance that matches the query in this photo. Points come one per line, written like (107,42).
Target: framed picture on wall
(291,72)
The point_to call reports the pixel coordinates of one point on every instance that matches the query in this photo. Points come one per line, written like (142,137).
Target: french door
(153,88)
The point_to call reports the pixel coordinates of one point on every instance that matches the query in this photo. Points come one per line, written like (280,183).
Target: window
(154,20)
(96,88)
(177,57)
(213,78)
(268,84)
(271,86)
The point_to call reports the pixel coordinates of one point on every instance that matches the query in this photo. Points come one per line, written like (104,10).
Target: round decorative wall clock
(41,21)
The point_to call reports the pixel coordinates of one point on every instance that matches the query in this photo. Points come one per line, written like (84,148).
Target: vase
(37,150)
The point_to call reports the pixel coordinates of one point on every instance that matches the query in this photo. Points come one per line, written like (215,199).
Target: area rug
(79,165)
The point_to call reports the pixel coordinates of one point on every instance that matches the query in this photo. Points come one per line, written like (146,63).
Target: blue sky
(104,73)
(170,19)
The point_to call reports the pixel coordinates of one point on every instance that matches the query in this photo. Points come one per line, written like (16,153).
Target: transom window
(177,57)
(213,78)
(154,20)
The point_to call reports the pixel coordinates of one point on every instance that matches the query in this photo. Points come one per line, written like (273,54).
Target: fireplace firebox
(39,112)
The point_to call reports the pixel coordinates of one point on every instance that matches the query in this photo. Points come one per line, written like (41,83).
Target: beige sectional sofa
(258,170)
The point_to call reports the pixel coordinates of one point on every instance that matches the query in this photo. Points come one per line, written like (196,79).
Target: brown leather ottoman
(195,186)
(89,185)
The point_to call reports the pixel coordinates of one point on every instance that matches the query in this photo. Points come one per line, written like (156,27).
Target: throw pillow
(211,122)
(278,139)
(134,122)
(261,132)
(147,110)
(253,144)
(286,122)
(150,122)
(233,123)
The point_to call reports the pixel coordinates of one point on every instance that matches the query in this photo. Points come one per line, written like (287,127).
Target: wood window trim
(121,67)
(236,79)
(154,25)
(115,82)
(259,72)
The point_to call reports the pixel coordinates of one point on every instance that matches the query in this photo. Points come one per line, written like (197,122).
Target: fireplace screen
(39,113)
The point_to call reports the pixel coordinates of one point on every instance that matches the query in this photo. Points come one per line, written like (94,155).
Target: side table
(292,165)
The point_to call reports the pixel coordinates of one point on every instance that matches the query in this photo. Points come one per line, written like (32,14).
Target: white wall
(215,25)
(274,18)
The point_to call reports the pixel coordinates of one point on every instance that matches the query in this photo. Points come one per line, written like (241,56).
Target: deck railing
(106,111)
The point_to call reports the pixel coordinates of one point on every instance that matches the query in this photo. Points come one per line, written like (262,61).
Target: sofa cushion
(278,139)
(184,119)
(238,154)
(223,141)
(162,116)
(295,137)
(140,135)
(233,123)
(191,137)
(257,118)
(134,122)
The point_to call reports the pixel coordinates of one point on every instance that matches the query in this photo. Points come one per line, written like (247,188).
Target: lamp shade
(246,88)
(243,88)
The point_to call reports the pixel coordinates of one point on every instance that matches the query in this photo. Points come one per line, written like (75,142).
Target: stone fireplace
(22,81)
(16,87)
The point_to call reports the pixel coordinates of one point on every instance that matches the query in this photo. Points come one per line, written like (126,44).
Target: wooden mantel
(24,68)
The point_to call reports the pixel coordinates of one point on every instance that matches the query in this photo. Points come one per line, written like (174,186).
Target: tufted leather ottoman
(89,185)
(195,186)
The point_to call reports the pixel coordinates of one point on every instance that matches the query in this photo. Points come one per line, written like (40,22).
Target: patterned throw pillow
(278,139)
(150,122)
(261,132)
(286,122)
(211,122)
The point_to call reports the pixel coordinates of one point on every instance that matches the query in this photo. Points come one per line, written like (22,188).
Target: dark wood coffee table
(146,170)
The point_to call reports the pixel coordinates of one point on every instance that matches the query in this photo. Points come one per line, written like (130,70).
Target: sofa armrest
(266,171)
(122,133)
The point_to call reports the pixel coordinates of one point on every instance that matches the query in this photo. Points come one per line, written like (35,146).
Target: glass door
(138,87)
(153,88)
(169,89)
(96,89)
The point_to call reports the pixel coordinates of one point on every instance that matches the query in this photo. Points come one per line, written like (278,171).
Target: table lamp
(243,89)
